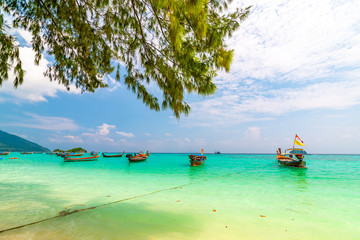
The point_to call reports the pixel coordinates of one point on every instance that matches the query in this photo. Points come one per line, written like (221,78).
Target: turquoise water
(229,197)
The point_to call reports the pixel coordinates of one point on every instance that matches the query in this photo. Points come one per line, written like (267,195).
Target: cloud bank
(289,56)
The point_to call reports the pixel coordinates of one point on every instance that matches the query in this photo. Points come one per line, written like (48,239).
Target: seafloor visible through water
(232,196)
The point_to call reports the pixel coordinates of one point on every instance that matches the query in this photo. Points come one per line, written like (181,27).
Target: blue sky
(296,69)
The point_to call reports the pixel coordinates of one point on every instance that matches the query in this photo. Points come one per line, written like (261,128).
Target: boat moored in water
(293,157)
(140,157)
(81,159)
(26,153)
(73,154)
(197,159)
(94,153)
(114,155)
(5,153)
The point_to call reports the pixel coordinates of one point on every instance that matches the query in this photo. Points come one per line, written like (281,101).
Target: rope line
(66,211)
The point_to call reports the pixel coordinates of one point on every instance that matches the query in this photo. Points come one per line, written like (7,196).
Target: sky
(296,70)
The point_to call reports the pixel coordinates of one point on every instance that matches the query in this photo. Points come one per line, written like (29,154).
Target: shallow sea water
(231,196)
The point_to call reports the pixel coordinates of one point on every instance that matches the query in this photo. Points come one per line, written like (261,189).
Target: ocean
(230,196)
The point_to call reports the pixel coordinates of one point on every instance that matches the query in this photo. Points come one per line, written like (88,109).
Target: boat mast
(294,143)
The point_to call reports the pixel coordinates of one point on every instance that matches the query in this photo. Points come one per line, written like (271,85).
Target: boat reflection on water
(294,176)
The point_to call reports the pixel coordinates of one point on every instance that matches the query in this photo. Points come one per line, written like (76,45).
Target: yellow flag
(298,143)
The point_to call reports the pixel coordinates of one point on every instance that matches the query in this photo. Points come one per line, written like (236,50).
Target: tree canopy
(177,44)
(74,150)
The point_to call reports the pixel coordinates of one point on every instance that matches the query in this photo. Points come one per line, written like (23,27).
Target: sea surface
(231,196)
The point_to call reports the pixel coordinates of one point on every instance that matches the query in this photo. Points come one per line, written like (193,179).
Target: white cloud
(253,132)
(168,134)
(104,129)
(125,134)
(296,41)
(36,87)
(47,123)
(112,83)
(99,135)
(147,134)
(187,139)
(96,138)
(289,56)
(346,136)
(74,139)
(338,95)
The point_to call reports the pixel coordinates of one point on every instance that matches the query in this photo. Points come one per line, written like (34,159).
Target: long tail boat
(94,153)
(26,153)
(138,157)
(5,153)
(73,154)
(197,159)
(81,159)
(115,155)
(293,157)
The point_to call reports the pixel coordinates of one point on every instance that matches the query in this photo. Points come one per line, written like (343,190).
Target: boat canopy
(296,151)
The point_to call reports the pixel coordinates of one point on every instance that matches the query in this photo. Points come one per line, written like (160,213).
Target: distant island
(78,149)
(11,142)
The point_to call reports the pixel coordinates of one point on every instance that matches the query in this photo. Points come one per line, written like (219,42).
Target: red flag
(299,138)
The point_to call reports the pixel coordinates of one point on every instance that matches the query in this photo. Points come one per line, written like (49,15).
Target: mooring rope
(66,211)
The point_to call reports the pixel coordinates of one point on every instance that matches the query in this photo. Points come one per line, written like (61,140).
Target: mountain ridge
(11,142)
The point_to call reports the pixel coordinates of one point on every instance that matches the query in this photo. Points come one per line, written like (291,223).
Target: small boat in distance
(5,153)
(114,155)
(94,153)
(73,154)
(81,159)
(138,157)
(217,152)
(13,158)
(26,153)
(293,157)
(197,159)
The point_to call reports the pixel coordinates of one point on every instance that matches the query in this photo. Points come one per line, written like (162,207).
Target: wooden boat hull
(196,160)
(74,155)
(4,153)
(194,163)
(94,153)
(13,158)
(84,159)
(288,161)
(137,159)
(116,155)
(26,153)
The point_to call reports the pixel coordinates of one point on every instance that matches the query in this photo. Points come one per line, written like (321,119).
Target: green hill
(11,142)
